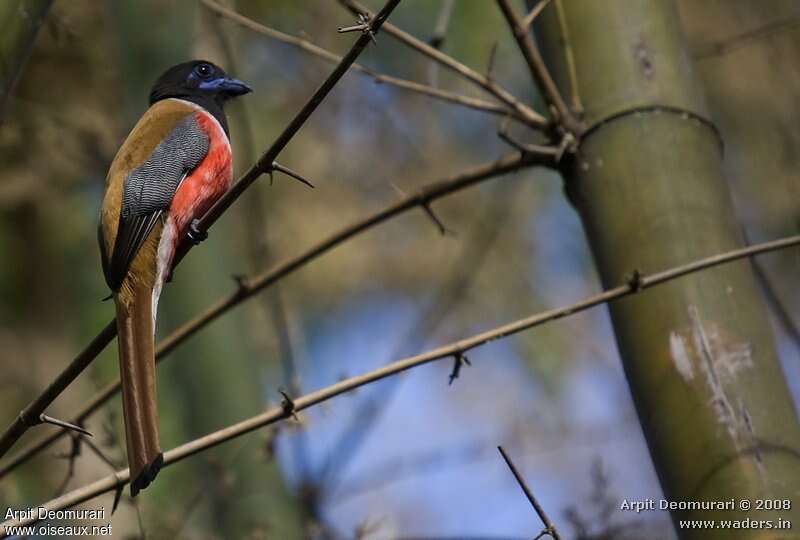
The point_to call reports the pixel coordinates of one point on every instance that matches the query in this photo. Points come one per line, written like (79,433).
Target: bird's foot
(195,234)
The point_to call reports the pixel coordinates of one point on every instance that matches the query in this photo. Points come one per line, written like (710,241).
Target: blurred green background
(427,466)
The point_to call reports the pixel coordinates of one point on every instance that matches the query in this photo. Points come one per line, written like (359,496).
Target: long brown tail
(137,372)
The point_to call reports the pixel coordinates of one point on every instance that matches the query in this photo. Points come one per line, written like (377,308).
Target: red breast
(207,182)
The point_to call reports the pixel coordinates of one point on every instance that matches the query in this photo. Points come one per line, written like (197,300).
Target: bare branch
(528,115)
(549,528)
(275,414)
(539,72)
(526,148)
(262,166)
(380,78)
(247,287)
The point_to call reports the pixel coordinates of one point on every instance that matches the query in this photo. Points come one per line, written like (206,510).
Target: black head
(201,82)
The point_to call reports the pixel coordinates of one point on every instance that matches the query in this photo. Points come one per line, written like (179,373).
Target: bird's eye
(204,70)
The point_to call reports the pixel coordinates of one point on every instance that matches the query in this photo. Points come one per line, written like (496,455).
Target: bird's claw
(195,234)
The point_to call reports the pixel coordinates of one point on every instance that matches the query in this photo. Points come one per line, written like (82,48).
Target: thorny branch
(538,69)
(275,414)
(549,528)
(265,162)
(263,166)
(380,78)
(527,115)
(249,286)
(368,26)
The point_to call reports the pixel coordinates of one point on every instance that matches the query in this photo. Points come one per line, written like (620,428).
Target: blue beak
(228,87)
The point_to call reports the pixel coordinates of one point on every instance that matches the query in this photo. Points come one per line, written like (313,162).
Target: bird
(173,166)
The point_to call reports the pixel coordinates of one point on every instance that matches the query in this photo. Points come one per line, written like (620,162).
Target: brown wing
(164,146)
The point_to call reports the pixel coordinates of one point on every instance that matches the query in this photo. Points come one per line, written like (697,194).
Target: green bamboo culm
(698,352)
(20,21)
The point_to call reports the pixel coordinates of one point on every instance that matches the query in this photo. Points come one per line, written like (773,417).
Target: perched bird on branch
(169,171)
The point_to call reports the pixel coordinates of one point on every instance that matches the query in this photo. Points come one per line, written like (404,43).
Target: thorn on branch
(364,26)
(44,419)
(288,406)
(635,281)
(459,360)
(117,497)
(490,63)
(444,231)
(568,144)
(242,283)
(527,148)
(288,172)
(398,189)
(530,17)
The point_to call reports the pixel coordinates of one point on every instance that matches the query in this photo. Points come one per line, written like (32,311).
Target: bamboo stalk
(698,353)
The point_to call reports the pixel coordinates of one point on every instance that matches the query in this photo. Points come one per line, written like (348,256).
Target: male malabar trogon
(169,171)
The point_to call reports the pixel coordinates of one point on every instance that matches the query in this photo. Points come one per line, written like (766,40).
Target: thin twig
(380,78)
(262,166)
(275,414)
(527,115)
(546,151)
(250,286)
(538,69)
(490,63)
(569,58)
(549,528)
(533,13)
(442,22)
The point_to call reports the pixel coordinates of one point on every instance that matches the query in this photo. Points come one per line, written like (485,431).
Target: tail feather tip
(147,475)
